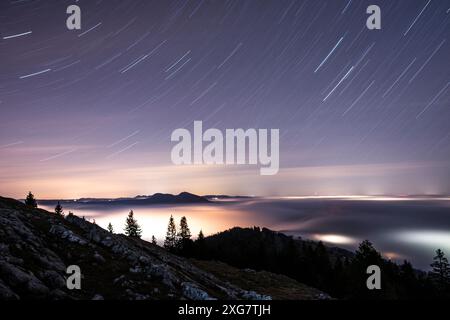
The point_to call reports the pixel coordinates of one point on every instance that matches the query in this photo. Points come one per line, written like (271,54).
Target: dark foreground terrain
(36,247)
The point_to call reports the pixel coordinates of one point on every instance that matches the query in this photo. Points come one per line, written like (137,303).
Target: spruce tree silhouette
(170,242)
(201,236)
(365,256)
(184,233)
(184,243)
(30,201)
(132,228)
(59,210)
(441,270)
(199,245)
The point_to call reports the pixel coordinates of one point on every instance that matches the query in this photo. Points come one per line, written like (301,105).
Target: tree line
(338,272)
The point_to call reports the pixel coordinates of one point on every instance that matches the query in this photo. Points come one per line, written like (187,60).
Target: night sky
(90,112)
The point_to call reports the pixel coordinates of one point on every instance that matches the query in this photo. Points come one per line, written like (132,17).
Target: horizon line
(287,197)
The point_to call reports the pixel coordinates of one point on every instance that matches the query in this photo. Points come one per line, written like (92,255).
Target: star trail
(84,106)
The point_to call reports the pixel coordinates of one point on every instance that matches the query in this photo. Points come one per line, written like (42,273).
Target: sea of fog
(401,228)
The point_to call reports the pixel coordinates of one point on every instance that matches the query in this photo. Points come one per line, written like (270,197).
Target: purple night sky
(90,112)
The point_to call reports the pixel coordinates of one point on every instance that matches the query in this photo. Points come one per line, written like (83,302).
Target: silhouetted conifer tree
(110,228)
(441,270)
(201,236)
(132,228)
(365,256)
(184,243)
(170,242)
(185,233)
(59,209)
(30,200)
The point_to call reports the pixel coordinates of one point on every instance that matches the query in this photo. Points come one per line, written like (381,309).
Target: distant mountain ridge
(157,198)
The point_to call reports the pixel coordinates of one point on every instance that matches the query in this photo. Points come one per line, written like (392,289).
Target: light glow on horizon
(364,197)
(335,238)
(430,239)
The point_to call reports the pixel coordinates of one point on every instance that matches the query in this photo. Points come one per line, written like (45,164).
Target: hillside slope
(36,247)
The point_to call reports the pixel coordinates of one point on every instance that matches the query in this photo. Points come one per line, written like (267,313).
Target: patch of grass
(279,287)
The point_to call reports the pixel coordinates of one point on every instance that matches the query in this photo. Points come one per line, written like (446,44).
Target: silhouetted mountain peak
(157,198)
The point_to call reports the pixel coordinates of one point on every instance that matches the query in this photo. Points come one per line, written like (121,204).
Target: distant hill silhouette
(157,198)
